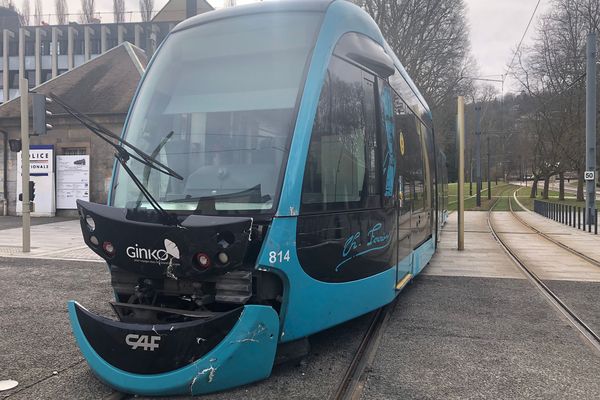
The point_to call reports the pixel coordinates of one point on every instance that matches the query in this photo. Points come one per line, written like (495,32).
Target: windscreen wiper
(106,134)
(146,173)
(123,155)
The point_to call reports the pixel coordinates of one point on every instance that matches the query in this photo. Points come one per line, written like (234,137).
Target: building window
(45,48)
(13,78)
(29,47)
(46,75)
(30,75)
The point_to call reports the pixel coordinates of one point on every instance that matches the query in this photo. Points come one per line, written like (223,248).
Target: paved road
(36,340)
(466,338)
(471,328)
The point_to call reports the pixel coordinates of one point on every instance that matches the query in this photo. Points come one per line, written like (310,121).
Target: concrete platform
(482,256)
(585,242)
(546,259)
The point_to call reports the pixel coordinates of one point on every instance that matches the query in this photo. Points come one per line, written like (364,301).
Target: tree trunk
(580,187)
(534,186)
(546,186)
(561,186)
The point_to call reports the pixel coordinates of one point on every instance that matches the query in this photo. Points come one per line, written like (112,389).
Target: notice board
(72,181)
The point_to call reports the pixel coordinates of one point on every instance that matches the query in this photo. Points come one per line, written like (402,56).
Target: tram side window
(427,163)
(411,162)
(341,169)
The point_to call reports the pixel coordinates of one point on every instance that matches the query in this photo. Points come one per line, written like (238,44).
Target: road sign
(589,175)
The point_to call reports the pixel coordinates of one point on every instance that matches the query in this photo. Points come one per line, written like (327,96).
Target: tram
(277,175)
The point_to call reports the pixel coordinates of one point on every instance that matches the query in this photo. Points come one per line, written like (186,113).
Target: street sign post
(589,176)
(24,93)
(590,128)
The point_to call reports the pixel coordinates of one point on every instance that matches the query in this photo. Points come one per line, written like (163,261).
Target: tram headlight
(91,224)
(223,258)
(94,240)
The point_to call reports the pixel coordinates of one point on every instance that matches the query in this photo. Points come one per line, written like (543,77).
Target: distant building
(94,67)
(114,77)
(43,52)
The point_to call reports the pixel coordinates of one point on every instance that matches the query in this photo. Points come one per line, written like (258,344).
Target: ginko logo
(147,254)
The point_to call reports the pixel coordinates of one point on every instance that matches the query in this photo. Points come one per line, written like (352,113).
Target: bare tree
(25,12)
(146,8)
(431,39)
(38,14)
(60,7)
(119,10)
(88,11)
(551,71)
(229,3)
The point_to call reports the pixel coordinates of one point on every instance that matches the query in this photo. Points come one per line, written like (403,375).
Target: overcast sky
(496,26)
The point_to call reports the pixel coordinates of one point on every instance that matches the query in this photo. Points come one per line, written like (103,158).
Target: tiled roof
(104,85)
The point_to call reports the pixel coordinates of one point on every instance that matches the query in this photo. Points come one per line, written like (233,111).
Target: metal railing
(577,217)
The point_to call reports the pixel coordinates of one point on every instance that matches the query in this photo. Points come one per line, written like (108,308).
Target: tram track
(351,385)
(586,332)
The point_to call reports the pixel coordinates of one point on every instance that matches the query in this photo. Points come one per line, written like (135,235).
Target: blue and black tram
(277,175)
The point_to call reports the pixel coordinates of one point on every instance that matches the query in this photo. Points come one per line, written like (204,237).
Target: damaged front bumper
(182,358)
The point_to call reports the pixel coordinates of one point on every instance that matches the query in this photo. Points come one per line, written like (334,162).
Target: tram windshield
(218,106)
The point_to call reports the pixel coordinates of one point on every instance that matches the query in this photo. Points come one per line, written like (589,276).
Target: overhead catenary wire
(522,38)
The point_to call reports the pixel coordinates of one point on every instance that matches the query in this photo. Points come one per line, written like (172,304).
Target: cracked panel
(251,336)
(209,373)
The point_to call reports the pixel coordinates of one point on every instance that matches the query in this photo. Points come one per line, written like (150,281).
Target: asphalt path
(38,349)
(448,337)
(460,337)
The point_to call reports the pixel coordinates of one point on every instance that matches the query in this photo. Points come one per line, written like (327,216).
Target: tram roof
(255,8)
(294,5)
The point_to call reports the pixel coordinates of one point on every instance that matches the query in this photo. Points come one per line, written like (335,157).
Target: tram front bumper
(136,358)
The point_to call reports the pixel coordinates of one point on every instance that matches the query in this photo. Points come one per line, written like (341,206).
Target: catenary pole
(590,125)
(24,93)
(489,178)
(478,152)
(461,173)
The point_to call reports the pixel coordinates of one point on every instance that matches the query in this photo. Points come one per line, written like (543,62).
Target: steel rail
(579,254)
(570,315)
(350,385)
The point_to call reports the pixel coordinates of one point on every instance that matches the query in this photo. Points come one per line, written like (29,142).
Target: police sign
(589,175)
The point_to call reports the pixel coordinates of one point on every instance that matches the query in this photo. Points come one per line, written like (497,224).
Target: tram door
(395,179)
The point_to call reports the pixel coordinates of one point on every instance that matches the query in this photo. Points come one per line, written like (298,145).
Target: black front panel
(342,247)
(154,249)
(153,349)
